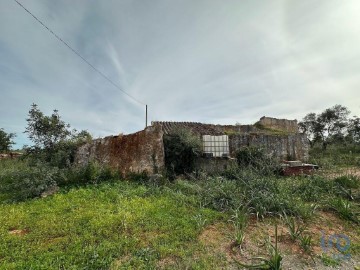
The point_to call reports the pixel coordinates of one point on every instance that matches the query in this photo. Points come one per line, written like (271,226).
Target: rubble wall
(137,152)
(292,146)
(280,124)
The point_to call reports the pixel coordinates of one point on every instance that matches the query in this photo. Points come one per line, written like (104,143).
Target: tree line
(332,126)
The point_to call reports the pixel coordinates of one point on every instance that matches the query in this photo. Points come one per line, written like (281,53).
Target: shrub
(92,173)
(53,141)
(141,178)
(344,209)
(6,140)
(181,149)
(29,182)
(255,158)
(220,194)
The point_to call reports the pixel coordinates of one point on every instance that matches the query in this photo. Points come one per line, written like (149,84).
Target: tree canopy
(331,126)
(6,140)
(53,139)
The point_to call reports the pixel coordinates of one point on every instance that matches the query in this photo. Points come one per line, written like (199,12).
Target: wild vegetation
(6,140)
(97,220)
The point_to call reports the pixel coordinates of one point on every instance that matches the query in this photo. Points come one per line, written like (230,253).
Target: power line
(78,54)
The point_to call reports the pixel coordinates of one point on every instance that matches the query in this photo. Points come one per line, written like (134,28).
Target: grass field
(101,227)
(186,224)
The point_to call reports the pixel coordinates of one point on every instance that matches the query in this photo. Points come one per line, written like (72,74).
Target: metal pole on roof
(146,115)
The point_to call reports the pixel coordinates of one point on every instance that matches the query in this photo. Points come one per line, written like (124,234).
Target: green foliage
(260,195)
(25,179)
(28,182)
(256,159)
(142,177)
(330,261)
(92,173)
(354,130)
(239,220)
(335,155)
(271,263)
(107,226)
(181,149)
(345,209)
(305,242)
(46,131)
(6,140)
(332,126)
(220,194)
(348,181)
(294,227)
(53,140)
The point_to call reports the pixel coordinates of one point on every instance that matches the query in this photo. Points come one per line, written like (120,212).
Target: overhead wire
(79,55)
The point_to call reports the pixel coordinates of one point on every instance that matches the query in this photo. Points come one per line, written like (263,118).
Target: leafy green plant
(329,261)
(271,263)
(239,221)
(256,159)
(200,220)
(91,173)
(348,181)
(53,140)
(181,149)
(294,227)
(305,242)
(220,194)
(344,209)
(28,182)
(6,140)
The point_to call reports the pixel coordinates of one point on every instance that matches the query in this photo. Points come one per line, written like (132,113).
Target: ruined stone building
(144,150)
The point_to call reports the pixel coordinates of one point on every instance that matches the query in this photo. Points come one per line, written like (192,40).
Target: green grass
(143,225)
(96,226)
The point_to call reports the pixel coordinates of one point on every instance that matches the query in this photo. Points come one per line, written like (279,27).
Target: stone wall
(214,165)
(293,146)
(279,124)
(137,152)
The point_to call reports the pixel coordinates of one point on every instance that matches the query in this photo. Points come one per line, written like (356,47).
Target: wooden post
(146,120)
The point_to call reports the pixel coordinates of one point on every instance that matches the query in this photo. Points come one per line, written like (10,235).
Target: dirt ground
(219,240)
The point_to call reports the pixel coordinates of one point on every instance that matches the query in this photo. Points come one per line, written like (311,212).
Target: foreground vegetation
(142,224)
(101,226)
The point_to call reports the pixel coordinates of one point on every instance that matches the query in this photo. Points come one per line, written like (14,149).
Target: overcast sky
(223,61)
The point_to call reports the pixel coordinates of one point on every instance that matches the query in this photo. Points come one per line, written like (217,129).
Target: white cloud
(211,61)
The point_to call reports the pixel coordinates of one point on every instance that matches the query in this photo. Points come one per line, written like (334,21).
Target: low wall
(213,165)
(137,152)
(293,146)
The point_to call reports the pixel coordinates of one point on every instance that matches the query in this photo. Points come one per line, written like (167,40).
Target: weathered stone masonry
(282,147)
(137,152)
(144,150)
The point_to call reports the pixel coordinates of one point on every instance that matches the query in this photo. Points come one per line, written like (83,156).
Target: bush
(92,173)
(21,180)
(142,177)
(182,147)
(220,194)
(256,159)
(53,141)
(29,182)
